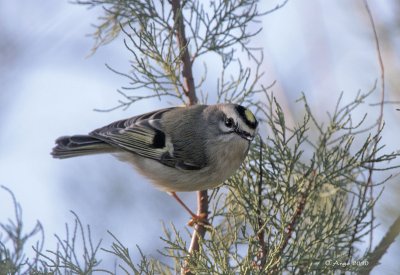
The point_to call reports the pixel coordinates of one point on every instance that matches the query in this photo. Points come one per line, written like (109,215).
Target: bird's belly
(171,179)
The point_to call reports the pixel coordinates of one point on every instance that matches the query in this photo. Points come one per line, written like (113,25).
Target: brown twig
(379,128)
(190,91)
(262,257)
(380,118)
(293,222)
(295,218)
(188,81)
(380,250)
(199,229)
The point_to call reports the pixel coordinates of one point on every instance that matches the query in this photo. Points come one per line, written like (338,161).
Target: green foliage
(220,27)
(75,253)
(13,241)
(297,206)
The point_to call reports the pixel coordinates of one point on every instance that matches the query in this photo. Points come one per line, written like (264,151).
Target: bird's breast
(228,158)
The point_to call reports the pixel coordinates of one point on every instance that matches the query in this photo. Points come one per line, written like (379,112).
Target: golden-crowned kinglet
(179,149)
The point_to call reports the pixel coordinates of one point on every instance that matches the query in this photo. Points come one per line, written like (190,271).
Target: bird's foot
(199,219)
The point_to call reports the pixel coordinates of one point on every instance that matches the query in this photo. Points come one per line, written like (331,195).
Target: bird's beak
(245,135)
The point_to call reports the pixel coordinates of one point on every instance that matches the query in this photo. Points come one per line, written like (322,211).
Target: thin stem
(375,257)
(189,89)
(178,199)
(380,119)
(199,229)
(187,73)
(377,138)
(261,232)
(291,226)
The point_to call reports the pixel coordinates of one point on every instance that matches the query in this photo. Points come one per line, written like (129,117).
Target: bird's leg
(201,218)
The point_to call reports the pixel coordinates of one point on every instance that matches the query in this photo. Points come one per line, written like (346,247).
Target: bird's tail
(79,145)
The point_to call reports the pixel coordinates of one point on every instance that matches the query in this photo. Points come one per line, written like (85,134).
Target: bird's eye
(229,122)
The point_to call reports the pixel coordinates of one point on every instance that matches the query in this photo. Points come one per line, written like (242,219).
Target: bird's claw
(199,219)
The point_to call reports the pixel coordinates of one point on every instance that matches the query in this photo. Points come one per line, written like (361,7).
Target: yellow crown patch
(249,116)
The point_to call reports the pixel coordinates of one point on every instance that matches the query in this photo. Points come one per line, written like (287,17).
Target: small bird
(179,149)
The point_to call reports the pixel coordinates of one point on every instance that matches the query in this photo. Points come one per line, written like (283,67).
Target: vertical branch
(380,118)
(294,220)
(190,91)
(187,73)
(261,233)
(291,226)
(376,141)
(199,229)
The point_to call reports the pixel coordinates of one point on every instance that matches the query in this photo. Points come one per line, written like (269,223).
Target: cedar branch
(190,91)
(187,73)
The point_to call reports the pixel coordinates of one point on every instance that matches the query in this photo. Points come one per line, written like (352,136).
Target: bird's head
(235,120)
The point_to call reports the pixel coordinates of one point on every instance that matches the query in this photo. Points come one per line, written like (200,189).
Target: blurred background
(50,85)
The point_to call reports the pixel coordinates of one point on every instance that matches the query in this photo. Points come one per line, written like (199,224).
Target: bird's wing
(143,135)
